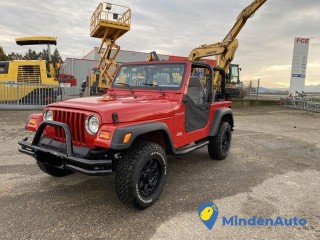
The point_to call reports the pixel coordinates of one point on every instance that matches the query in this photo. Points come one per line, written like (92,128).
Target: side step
(184,150)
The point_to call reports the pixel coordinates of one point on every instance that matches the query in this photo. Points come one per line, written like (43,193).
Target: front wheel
(141,174)
(219,145)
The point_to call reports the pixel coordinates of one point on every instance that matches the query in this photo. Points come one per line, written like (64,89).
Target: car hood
(128,108)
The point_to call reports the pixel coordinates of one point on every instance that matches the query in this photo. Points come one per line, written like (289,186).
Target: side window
(4,67)
(234,73)
(203,72)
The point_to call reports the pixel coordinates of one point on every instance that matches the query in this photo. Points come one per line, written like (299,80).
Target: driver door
(197,99)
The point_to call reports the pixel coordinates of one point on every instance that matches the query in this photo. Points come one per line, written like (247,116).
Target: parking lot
(273,170)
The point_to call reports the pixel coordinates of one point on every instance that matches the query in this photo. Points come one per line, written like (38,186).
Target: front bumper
(70,157)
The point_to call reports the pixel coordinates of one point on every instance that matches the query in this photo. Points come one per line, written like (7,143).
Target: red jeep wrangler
(152,109)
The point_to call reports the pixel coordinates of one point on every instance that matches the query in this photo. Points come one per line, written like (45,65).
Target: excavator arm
(226,49)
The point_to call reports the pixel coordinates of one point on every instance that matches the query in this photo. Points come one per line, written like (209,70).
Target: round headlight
(92,124)
(48,115)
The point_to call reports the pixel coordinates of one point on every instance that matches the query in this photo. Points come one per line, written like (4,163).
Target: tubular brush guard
(70,160)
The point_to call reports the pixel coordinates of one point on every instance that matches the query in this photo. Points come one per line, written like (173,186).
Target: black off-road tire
(51,170)
(141,174)
(219,145)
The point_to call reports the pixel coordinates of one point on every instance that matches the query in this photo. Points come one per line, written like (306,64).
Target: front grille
(75,121)
(29,74)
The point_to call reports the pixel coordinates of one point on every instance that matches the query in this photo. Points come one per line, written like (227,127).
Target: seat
(138,81)
(161,80)
(195,90)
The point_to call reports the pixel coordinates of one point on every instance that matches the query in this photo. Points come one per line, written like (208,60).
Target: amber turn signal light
(126,138)
(32,121)
(105,135)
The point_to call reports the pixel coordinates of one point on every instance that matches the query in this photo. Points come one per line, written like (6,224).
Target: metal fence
(303,101)
(253,88)
(15,95)
(257,91)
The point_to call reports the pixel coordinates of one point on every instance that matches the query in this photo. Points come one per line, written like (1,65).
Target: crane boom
(242,19)
(226,49)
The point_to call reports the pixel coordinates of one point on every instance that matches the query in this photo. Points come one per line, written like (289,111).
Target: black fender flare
(136,130)
(219,114)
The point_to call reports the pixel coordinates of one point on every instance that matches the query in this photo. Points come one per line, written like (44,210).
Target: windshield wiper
(128,86)
(150,84)
(154,85)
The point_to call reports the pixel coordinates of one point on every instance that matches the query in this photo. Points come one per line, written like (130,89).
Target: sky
(176,27)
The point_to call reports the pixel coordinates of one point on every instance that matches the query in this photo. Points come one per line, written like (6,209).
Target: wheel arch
(221,115)
(156,132)
(159,136)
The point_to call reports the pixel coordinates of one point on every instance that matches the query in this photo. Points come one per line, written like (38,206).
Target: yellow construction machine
(29,81)
(108,23)
(152,56)
(225,50)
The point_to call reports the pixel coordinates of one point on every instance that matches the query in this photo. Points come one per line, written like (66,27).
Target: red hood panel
(129,109)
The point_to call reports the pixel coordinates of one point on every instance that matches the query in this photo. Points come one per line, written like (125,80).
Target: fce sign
(299,65)
(302,40)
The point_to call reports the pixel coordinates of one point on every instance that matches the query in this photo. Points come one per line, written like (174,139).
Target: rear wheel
(141,174)
(219,145)
(49,169)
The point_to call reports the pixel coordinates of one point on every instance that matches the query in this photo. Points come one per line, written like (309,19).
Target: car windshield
(163,76)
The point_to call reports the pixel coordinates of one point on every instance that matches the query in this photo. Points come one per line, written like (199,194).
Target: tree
(3,56)
(56,58)
(14,56)
(31,55)
(43,55)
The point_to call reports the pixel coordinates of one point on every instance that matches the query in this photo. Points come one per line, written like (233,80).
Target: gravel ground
(272,170)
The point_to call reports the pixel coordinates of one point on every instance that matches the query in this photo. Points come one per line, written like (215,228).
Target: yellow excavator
(225,50)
